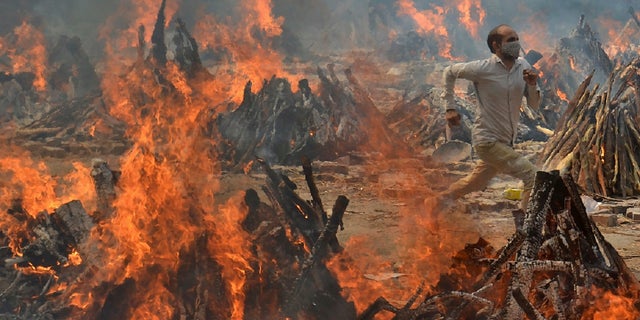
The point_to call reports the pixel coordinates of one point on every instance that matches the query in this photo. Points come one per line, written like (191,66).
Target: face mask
(511,49)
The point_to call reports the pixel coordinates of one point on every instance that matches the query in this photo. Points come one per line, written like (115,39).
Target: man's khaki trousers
(496,157)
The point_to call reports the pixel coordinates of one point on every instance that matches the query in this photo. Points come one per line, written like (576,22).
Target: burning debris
(292,240)
(554,267)
(53,236)
(573,59)
(282,126)
(58,109)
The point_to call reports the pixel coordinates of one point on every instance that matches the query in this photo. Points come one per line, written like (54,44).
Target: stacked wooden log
(558,266)
(309,290)
(598,139)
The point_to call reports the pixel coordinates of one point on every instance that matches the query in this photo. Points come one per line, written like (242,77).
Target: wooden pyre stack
(597,140)
(558,266)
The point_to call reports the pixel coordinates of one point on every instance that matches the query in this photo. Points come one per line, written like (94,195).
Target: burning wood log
(315,277)
(158,55)
(53,237)
(308,289)
(573,59)
(288,280)
(104,180)
(597,139)
(563,263)
(186,53)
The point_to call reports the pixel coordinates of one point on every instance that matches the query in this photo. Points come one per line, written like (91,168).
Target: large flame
(27,53)
(422,252)
(429,22)
(247,45)
(610,305)
(166,189)
(231,245)
(471,15)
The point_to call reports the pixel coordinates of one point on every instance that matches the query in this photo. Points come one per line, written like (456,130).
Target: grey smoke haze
(326,25)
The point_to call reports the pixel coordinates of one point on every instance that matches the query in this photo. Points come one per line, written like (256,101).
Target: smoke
(333,26)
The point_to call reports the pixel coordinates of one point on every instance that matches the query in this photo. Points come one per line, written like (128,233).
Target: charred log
(158,53)
(104,180)
(186,52)
(303,285)
(53,237)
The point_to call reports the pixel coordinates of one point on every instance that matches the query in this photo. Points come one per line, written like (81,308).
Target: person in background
(500,82)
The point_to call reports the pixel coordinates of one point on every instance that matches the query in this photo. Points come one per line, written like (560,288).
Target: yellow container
(513,194)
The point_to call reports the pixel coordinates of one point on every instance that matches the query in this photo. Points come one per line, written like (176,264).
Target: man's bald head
(496,35)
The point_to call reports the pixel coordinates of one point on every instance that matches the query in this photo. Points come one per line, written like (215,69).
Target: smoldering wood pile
(555,267)
(66,115)
(573,59)
(308,289)
(598,138)
(281,125)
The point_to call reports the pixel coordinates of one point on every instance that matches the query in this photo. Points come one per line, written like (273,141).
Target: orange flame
(28,53)
(471,15)
(618,35)
(231,245)
(535,34)
(366,272)
(246,54)
(429,22)
(611,306)
(271,25)
(29,181)
(170,175)
(562,95)
(572,63)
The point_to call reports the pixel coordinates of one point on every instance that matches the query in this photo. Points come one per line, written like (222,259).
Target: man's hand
(530,76)
(453,117)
